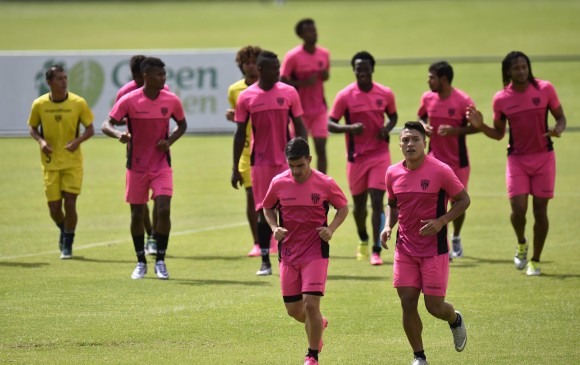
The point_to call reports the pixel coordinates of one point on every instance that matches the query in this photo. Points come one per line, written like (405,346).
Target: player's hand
(125,137)
(72,145)
(474,116)
(383,133)
(553,132)
(230,115)
(45,147)
(444,130)
(280,233)
(325,233)
(310,81)
(431,227)
(236,179)
(428,129)
(386,236)
(356,129)
(163,145)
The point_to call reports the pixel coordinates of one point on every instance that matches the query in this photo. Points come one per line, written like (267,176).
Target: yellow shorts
(245,169)
(67,180)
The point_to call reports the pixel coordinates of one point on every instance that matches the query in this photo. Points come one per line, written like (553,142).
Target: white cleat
(140,271)
(161,270)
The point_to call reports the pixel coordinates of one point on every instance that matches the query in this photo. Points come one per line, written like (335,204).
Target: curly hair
(247,53)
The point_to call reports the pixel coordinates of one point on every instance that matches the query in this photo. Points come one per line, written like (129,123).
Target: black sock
(363,235)
(68,238)
(148,232)
(312,353)
(420,354)
(457,321)
(61,237)
(264,235)
(139,244)
(162,242)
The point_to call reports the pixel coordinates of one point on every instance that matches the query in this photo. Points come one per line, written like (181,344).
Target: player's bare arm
(74,144)
(279,232)
(475,118)
(384,132)
(354,129)
(560,126)
(326,232)
(230,114)
(108,128)
(177,132)
(447,130)
(425,121)
(239,142)
(299,127)
(433,226)
(391,218)
(44,146)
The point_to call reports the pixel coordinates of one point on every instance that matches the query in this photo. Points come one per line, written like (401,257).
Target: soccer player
(364,104)
(270,105)
(246,60)
(54,122)
(136,83)
(306,67)
(531,164)
(442,113)
(302,196)
(418,188)
(148,111)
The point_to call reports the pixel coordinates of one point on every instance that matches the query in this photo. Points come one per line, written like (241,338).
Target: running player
(302,196)
(148,111)
(364,104)
(442,113)
(418,188)
(306,67)
(54,123)
(531,163)
(270,105)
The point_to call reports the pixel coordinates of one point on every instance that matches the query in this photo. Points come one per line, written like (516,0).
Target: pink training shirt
(270,112)
(148,123)
(130,86)
(421,194)
(451,111)
(303,208)
(301,65)
(368,108)
(527,114)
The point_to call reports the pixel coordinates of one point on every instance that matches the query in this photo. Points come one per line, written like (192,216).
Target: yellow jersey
(59,124)
(234,91)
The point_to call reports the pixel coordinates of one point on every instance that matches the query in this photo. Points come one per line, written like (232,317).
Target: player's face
(250,69)
(519,71)
(270,71)
(155,77)
(300,168)
(363,71)
(434,82)
(309,34)
(58,83)
(412,144)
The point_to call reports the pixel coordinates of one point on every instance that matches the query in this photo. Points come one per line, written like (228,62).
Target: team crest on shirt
(451,112)
(379,103)
(280,101)
(536,101)
(164,111)
(58,117)
(315,197)
(425,184)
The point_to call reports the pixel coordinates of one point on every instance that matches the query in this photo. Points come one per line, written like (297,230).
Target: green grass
(214,309)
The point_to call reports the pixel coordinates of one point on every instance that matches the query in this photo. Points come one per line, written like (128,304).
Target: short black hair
(298,27)
(363,55)
(442,68)
(52,70)
(135,64)
(506,65)
(418,126)
(265,56)
(297,148)
(150,62)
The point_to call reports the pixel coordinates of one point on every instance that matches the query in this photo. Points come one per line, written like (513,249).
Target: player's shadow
(206,258)
(356,277)
(100,261)
(558,276)
(470,261)
(196,282)
(26,265)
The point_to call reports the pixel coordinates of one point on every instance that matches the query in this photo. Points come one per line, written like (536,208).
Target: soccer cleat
(324,325)
(459,334)
(457,248)
(521,257)
(66,251)
(419,361)
(376,259)
(309,360)
(533,269)
(362,251)
(255,252)
(140,271)
(151,246)
(161,270)
(265,270)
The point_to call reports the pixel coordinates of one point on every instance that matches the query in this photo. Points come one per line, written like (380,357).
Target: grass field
(214,310)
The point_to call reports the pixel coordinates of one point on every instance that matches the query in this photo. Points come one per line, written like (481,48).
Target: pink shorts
(430,274)
(307,278)
(261,178)
(316,125)
(138,185)
(463,176)
(364,175)
(531,174)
